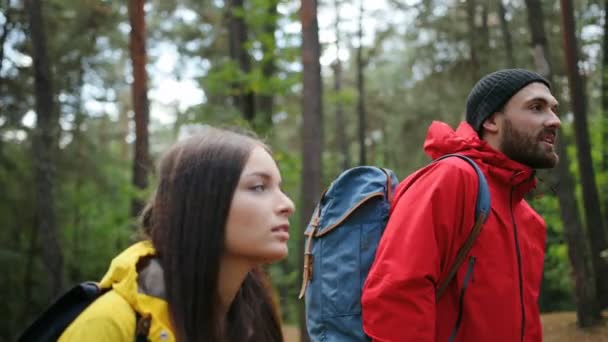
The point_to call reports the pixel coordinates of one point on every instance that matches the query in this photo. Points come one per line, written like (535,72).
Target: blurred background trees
(91,92)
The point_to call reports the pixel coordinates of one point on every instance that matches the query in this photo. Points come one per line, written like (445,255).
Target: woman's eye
(258,188)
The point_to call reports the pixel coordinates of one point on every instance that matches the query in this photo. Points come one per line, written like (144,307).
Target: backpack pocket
(348,253)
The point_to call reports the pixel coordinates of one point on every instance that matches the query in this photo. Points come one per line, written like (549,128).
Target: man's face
(528,127)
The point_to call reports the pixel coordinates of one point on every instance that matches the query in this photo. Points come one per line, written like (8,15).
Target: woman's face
(257,228)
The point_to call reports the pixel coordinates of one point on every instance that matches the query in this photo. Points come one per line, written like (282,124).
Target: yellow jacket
(112,316)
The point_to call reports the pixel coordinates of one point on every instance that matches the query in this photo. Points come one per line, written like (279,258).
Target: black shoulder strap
(58,316)
(142,327)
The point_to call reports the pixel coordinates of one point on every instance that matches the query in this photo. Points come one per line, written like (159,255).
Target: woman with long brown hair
(217,215)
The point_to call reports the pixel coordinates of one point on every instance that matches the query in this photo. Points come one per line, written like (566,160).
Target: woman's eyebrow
(262,174)
(265,175)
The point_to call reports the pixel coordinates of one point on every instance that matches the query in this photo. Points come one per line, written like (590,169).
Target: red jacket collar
(441,139)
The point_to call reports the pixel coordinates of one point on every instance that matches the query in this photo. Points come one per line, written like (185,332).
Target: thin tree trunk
(46,135)
(28,276)
(342,142)
(6,29)
(386,160)
(579,254)
(585,292)
(506,34)
(123,123)
(361,90)
(312,126)
(243,98)
(539,38)
(605,97)
(593,216)
(137,47)
(485,30)
(266,101)
(75,273)
(474,58)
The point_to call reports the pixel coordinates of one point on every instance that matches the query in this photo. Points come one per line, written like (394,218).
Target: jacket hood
(143,290)
(441,139)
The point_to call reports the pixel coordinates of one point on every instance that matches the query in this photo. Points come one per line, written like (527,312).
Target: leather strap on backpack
(462,254)
(389,185)
(308,258)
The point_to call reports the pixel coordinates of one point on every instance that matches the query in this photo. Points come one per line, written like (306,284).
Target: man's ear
(492,123)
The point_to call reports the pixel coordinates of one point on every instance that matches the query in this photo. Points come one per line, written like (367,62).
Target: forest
(93,91)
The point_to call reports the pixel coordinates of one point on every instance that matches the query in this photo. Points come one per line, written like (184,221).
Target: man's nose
(554,121)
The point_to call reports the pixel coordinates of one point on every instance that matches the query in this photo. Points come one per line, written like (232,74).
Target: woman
(217,215)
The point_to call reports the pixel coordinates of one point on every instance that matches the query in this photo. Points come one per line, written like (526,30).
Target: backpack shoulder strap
(60,314)
(142,327)
(482,211)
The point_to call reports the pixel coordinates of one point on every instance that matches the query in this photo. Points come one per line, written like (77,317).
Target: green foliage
(285,274)
(556,290)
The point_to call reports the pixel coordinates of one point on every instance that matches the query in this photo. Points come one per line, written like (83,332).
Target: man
(510,130)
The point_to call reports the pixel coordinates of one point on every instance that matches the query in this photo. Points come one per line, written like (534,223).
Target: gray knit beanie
(494,90)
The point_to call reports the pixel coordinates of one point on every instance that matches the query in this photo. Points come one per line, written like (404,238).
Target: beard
(528,149)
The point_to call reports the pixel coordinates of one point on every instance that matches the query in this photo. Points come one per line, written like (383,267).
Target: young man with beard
(510,130)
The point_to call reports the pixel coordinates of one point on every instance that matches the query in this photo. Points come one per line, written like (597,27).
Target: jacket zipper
(521,287)
(467,277)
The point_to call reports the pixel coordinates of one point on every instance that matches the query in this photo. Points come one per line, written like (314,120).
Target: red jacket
(429,223)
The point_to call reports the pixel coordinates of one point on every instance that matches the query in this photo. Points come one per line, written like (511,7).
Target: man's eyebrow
(544,100)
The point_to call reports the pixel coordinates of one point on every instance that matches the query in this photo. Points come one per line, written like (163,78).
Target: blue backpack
(341,242)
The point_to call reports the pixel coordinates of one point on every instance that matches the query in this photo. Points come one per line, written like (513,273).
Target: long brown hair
(185,221)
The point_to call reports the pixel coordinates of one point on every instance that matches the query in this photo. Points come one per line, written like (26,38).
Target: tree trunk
(474,58)
(585,292)
(266,101)
(593,214)
(125,107)
(6,29)
(539,38)
(46,135)
(485,31)
(139,88)
(342,142)
(506,34)
(79,141)
(244,98)
(361,90)
(605,97)
(312,125)
(28,276)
